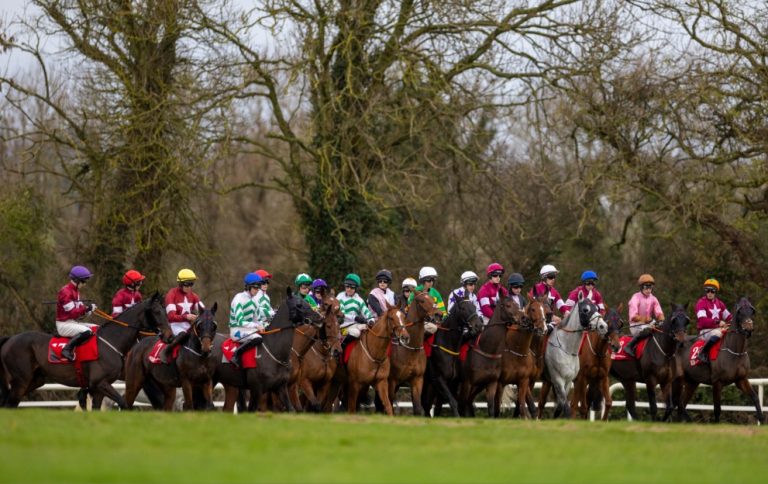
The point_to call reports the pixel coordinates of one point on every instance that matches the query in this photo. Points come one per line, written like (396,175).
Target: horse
(656,365)
(518,365)
(192,369)
(314,367)
(595,367)
(561,359)
(482,367)
(24,357)
(368,361)
(441,378)
(274,356)
(731,365)
(408,362)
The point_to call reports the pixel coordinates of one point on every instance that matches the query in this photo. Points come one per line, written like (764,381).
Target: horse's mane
(132,312)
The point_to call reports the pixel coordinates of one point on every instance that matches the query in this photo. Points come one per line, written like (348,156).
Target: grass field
(63,446)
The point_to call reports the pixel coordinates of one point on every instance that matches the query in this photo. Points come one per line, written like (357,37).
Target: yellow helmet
(712,283)
(186,275)
(645,279)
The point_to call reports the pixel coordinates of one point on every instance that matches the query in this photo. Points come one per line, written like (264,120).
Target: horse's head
(589,316)
(543,298)
(155,317)
(299,310)
(508,312)
(329,333)
(395,324)
(204,329)
(742,316)
(536,313)
(675,325)
(615,323)
(422,308)
(466,317)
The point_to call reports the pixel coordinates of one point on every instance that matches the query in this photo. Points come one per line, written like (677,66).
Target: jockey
(381,295)
(266,312)
(546,285)
(427,278)
(182,306)
(588,288)
(317,288)
(129,295)
(711,318)
(406,289)
(303,283)
(357,316)
(69,308)
(244,325)
(491,291)
(468,285)
(515,288)
(644,309)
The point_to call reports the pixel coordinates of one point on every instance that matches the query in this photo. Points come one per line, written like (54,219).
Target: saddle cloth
(464,350)
(696,348)
(88,351)
(624,341)
(428,342)
(154,355)
(228,348)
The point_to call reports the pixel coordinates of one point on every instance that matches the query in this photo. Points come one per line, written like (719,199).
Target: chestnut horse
(731,365)
(193,368)
(657,364)
(595,367)
(518,364)
(482,367)
(369,364)
(408,361)
(24,357)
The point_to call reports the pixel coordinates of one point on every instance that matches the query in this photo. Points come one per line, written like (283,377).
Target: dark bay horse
(595,367)
(482,368)
(24,356)
(657,364)
(274,356)
(731,365)
(191,370)
(319,364)
(441,378)
(408,361)
(518,365)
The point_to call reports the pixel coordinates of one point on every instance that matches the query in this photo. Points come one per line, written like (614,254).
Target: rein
(103,315)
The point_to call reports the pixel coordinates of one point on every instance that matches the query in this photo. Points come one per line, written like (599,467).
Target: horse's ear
(214,307)
(156,295)
(289,292)
(581,296)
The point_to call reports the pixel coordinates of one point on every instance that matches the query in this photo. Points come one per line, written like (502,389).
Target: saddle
(88,351)
(154,354)
(249,359)
(696,349)
(624,341)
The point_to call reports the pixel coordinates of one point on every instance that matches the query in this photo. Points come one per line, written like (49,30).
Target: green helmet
(302,279)
(352,278)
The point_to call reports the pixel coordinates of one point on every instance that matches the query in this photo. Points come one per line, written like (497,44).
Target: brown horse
(315,367)
(595,367)
(24,356)
(482,368)
(731,365)
(518,365)
(191,370)
(408,361)
(369,364)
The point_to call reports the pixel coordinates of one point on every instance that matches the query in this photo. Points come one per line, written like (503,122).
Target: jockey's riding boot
(630,348)
(166,355)
(345,342)
(240,351)
(68,351)
(704,353)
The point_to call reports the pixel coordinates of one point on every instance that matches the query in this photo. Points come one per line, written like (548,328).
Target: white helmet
(409,282)
(427,271)
(548,269)
(468,276)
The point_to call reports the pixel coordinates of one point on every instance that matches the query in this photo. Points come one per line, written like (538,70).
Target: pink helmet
(495,267)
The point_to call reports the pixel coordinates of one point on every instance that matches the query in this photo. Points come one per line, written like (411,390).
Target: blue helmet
(588,275)
(318,283)
(251,279)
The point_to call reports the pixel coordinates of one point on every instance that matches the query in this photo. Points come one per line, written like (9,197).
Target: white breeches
(634,329)
(243,335)
(71,328)
(180,328)
(708,334)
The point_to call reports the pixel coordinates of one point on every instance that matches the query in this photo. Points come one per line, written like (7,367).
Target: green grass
(63,446)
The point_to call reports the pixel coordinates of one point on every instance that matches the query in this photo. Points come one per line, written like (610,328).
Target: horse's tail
(154,393)
(4,384)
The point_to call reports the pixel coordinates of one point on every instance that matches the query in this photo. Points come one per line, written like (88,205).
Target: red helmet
(132,277)
(264,274)
(495,267)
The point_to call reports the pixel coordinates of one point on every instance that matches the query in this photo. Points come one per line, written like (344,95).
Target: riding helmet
(132,277)
(80,273)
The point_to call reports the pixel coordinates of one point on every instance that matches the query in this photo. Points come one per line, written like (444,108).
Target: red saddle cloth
(228,348)
(464,350)
(88,351)
(428,342)
(696,349)
(353,343)
(154,355)
(624,341)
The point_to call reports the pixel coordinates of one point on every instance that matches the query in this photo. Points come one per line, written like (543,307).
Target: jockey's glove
(360,319)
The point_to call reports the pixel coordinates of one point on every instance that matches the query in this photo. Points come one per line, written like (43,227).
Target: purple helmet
(318,283)
(80,273)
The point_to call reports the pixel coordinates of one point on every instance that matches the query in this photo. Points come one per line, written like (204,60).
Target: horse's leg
(134,379)
(353,389)
(107,389)
(605,389)
(285,399)
(442,386)
(630,395)
(530,402)
(668,401)
(382,388)
(717,396)
(690,389)
(747,390)
(307,388)
(169,394)
(230,398)
(186,390)
(207,389)
(650,390)
(545,387)
(579,397)
(497,400)
(417,384)
(293,394)
(523,393)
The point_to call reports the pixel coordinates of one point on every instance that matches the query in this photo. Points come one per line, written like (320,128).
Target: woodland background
(335,135)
